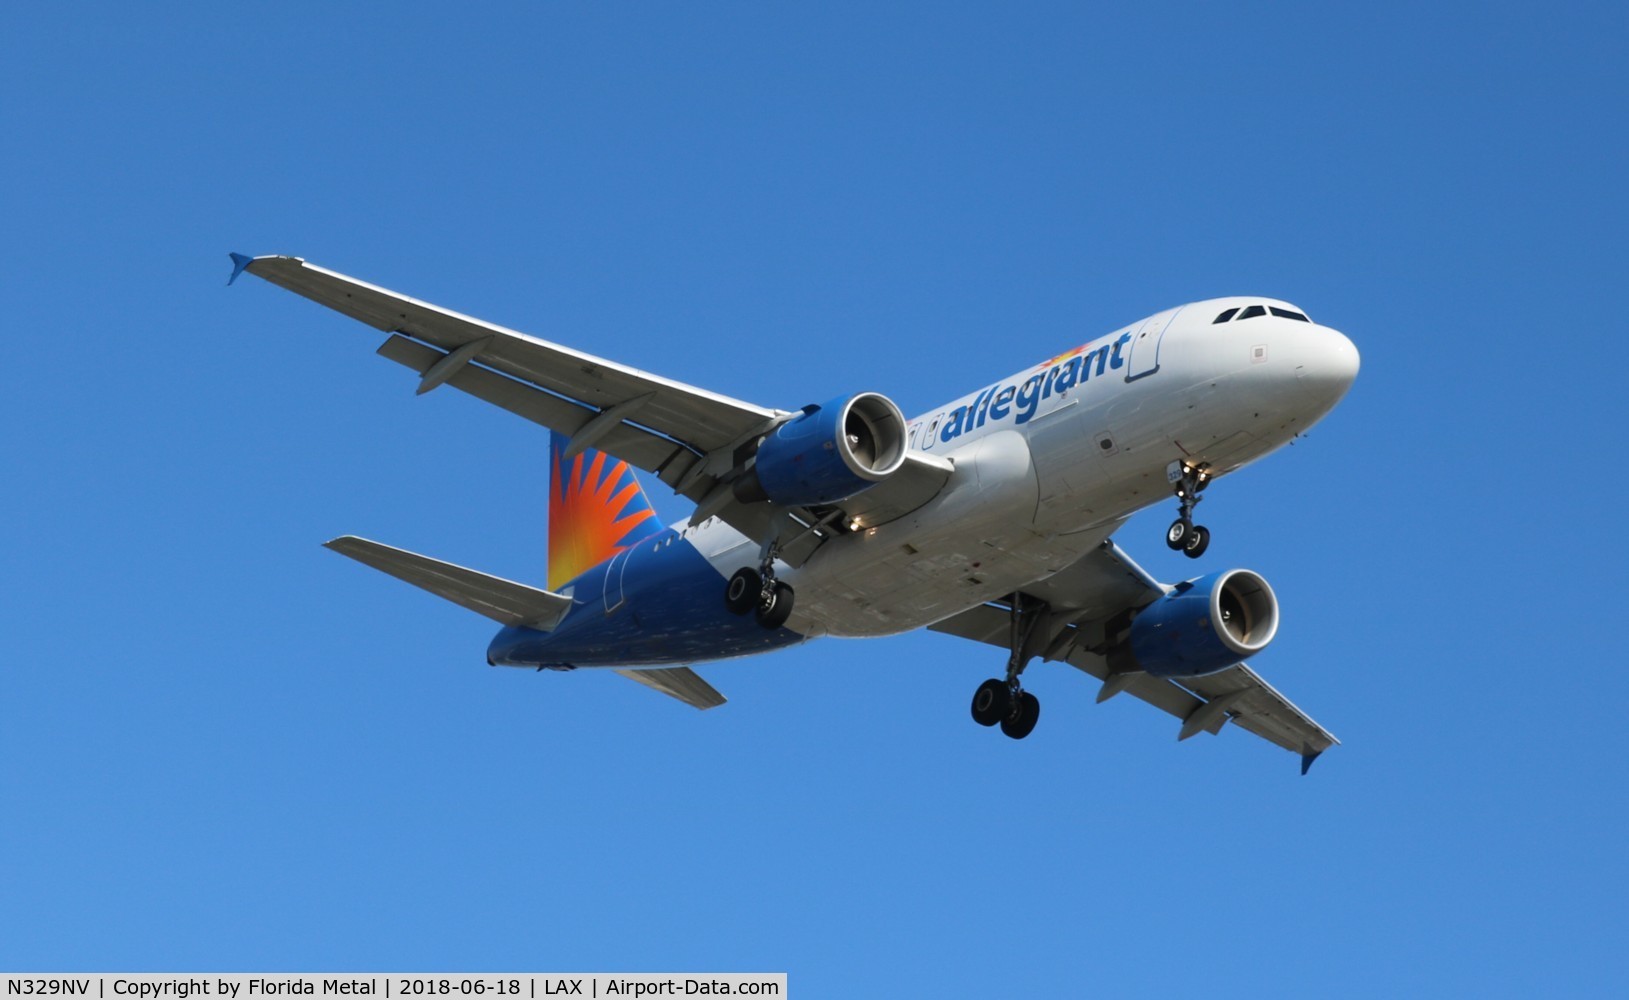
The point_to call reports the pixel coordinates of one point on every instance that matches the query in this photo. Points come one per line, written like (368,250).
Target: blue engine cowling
(1200,627)
(827,453)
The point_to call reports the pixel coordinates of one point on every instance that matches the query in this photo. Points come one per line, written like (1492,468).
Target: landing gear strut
(1183,535)
(1005,702)
(757,591)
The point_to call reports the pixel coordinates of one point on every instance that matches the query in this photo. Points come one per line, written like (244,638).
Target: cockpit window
(1251,312)
(1226,315)
(1290,314)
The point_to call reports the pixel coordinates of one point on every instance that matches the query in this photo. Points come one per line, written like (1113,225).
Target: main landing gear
(757,591)
(1183,535)
(1005,702)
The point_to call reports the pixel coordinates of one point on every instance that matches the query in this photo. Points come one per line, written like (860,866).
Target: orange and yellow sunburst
(596,509)
(1065,356)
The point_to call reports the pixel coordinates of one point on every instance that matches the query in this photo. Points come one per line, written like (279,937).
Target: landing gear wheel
(1188,481)
(1176,536)
(1026,712)
(775,607)
(992,702)
(1197,542)
(741,593)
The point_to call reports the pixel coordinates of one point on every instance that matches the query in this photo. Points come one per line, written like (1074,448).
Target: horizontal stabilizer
(500,600)
(678,682)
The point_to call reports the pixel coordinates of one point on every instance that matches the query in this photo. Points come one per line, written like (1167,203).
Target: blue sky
(222,747)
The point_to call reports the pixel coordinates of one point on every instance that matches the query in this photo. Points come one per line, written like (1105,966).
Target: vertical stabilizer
(596,509)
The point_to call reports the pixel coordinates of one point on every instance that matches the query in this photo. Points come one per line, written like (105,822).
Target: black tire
(1198,541)
(774,612)
(1177,534)
(992,702)
(1024,716)
(741,593)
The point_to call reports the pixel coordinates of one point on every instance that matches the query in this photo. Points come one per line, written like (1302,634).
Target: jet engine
(1200,627)
(827,453)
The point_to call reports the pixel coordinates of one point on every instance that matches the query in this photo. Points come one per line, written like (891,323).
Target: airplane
(990,517)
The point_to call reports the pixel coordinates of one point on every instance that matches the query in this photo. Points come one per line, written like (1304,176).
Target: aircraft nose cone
(1328,365)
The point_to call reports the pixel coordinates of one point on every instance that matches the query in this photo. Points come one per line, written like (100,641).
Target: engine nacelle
(1201,626)
(828,453)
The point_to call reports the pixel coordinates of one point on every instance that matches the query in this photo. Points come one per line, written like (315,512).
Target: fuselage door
(930,433)
(1145,345)
(613,580)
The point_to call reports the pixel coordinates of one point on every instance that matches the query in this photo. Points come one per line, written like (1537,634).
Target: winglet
(1308,755)
(239,262)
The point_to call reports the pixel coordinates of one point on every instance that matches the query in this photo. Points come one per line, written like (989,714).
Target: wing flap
(501,600)
(678,682)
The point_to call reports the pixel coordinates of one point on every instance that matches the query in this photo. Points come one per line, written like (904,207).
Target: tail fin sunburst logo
(596,509)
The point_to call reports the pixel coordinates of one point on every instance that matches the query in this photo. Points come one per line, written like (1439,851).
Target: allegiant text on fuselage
(1021,401)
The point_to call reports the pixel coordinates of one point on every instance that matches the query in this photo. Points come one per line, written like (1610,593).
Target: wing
(1084,601)
(686,436)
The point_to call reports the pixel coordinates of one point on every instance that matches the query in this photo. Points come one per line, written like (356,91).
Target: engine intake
(1201,627)
(827,453)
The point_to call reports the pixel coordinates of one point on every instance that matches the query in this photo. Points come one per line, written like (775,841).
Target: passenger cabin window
(1290,314)
(1227,314)
(1251,312)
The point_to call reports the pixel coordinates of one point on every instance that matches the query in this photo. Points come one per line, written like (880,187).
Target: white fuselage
(1050,461)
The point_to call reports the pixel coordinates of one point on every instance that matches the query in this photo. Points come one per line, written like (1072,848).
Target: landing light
(854,524)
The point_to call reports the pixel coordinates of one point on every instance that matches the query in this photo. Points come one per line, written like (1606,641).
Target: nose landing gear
(1183,535)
